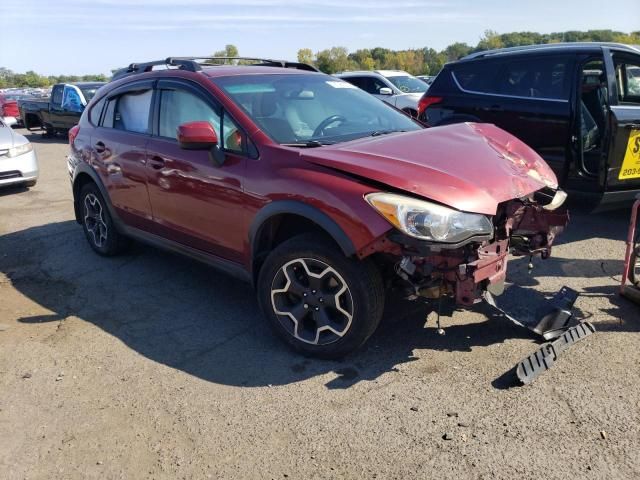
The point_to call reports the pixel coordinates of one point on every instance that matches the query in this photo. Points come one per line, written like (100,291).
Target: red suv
(320,195)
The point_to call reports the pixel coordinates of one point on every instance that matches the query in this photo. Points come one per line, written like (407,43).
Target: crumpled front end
(526,226)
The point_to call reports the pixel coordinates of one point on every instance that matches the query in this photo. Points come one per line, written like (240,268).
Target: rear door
(118,148)
(623,162)
(196,202)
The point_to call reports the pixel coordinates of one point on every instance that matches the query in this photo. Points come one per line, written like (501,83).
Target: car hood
(468,166)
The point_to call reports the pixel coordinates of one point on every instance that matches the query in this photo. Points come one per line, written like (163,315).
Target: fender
(85,168)
(294,207)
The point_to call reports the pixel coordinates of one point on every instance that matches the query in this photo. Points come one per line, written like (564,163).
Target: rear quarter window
(95,111)
(545,77)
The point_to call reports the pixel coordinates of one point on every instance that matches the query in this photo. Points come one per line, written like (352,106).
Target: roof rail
(195,64)
(545,46)
(265,62)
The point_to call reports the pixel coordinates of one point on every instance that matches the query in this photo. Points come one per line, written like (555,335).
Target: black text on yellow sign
(631,163)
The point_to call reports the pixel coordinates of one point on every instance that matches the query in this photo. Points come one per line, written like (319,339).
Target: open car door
(622,172)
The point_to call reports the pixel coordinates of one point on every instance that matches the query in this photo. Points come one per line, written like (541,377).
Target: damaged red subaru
(317,193)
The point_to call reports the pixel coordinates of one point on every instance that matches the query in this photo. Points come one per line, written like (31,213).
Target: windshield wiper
(309,144)
(377,133)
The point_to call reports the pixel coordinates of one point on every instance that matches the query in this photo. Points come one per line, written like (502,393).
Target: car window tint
(476,77)
(56,95)
(542,77)
(132,112)
(179,106)
(628,80)
(109,113)
(95,111)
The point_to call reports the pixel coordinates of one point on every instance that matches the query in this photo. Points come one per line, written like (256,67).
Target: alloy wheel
(312,301)
(94,220)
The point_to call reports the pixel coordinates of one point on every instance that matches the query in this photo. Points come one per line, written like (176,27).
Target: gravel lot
(149,365)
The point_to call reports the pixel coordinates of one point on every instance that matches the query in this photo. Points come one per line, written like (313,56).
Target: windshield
(408,83)
(306,109)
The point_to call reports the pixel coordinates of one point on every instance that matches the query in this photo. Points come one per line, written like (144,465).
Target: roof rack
(545,46)
(195,64)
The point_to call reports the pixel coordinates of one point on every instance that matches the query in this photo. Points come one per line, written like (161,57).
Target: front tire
(97,223)
(318,301)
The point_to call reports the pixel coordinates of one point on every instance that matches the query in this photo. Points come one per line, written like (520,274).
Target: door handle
(100,147)
(493,108)
(156,163)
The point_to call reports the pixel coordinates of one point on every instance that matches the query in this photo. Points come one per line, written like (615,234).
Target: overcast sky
(78,36)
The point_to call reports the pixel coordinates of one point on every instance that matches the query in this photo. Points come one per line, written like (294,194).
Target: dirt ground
(149,365)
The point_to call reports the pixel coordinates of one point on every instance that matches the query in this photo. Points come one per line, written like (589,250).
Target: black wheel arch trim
(293,207)
(84,168)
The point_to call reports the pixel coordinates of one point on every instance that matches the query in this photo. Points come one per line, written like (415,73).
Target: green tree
(305,55)
(229,51)
(334,60)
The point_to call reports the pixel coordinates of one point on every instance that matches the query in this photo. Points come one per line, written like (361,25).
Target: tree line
(8,78)
(417,61)
(428,61)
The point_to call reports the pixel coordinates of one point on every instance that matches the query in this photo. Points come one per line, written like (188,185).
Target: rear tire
(97,223)
(318,301)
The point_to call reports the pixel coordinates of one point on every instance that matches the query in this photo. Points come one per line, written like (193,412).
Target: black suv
(576,104)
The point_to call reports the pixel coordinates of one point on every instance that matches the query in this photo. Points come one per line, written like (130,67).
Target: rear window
(544,77)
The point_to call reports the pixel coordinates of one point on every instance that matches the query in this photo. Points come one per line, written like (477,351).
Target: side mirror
(200,136)
(197,136)
(385,91)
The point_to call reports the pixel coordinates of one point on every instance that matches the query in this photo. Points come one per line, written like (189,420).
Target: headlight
(20,149)
(429,221)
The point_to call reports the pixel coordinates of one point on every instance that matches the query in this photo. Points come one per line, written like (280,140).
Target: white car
(18,161)
(397,87)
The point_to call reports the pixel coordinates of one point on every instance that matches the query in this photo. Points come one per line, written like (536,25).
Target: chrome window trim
(474,92)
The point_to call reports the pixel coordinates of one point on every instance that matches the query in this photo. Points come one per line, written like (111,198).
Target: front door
(195,201)
(623,167)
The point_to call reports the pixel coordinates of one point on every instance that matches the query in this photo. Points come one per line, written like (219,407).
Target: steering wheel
(319,131)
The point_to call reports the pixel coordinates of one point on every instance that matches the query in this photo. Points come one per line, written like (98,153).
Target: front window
(408,83)
(311,110)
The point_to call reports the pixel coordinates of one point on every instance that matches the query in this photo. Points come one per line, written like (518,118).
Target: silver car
(18,161)
(397,87)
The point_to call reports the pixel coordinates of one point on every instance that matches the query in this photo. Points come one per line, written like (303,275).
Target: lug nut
(313,291)
(306,306)
(317,308)
(321,300)
(304,294)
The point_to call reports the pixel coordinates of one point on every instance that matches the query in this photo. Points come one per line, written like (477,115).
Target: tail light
(73,133)
(425,102)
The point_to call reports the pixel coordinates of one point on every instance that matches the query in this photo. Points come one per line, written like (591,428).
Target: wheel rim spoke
(312,301)
(94,220)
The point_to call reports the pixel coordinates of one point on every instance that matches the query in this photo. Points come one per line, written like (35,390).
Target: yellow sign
(631,163)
